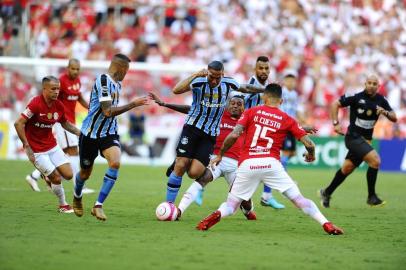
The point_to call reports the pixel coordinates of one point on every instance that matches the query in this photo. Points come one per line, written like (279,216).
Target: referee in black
(365,109)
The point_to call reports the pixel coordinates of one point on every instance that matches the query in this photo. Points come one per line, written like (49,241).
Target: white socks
(36,174)
(189,196)
(60,193)
(230,206)
(266,195)
(74,163)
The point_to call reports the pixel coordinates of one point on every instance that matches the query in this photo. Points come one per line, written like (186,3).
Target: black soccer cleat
(324,198)
(170,169)
(373,200)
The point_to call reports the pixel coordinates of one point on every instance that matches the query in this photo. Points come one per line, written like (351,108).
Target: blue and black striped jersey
(96,125)
(252,100)
(209,103)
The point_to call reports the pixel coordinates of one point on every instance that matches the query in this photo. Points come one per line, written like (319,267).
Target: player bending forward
(34,128)
(265,128)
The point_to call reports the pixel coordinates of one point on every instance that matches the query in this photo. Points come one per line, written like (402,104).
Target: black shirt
(363,115)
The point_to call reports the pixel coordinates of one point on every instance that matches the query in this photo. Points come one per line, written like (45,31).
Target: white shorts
(64,138)
(46,162)
(253,171)
(227,168)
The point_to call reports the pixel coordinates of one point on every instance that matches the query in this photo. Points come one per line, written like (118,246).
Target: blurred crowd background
(330,45)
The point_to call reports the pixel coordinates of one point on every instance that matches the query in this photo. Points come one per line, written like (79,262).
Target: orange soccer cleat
(209,221)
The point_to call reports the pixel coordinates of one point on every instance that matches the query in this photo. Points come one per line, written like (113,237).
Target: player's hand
(310,129)
(380,110)
(215,161)
(308,157)
(338,130)
(201,73)
(140,101)
(155,98)
(30,153)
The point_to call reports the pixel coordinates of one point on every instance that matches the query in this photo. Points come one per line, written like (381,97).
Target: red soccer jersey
(69,95)
(41,118)
(227,125)
(265,130)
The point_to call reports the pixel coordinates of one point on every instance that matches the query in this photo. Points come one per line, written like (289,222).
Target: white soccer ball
(166,211)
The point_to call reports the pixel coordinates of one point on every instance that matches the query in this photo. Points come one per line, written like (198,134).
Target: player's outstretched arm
(310,147)
(70,127)
(19,125)
(184,85)
(391,115)
(176,107)
(228,142)
(334,116)
(110,111)
(83,102)
(249,88)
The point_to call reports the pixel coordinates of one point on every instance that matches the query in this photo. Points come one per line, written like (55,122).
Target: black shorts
(195,144)
(289,144)
(89,148)
(357,147)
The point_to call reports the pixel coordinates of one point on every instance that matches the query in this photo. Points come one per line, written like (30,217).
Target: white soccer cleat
(33,183)
(87,190)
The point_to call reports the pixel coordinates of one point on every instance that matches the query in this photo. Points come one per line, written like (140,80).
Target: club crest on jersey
(369,112)
(49,116)
(56,115)
(184,140)
(360,111)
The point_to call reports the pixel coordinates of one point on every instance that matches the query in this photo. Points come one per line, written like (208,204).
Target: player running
(265,127)
(69,95)
(34,128)
(99,133)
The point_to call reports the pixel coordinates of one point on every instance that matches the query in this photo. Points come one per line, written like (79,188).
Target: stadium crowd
(330,45)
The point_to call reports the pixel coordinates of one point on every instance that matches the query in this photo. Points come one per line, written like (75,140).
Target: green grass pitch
(34,236)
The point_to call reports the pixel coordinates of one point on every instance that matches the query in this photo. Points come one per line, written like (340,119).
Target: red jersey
(265,130)
(227,125)
(41,118)
(69,95)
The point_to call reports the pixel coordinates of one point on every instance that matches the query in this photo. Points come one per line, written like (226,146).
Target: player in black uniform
(365,109)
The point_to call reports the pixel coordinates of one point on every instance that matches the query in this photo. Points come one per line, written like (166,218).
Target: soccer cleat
(330,228)
(324,198)
(199,198)
(98,212)
(33,183)
(375,201)
(251,215)
(170,169)
(87,190)
(77,206)
(66,209)
(272,203)
(209,221)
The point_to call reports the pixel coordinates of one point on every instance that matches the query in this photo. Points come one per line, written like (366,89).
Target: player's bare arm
(310,129)
(183,86)
(83,102)
(110,111)
(176,107)
(19,126)
(334,117)
(310,147)
(249,88)
(71,128)
(391,115)
(228,142)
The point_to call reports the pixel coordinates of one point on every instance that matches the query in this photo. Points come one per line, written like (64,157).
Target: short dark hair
(122,57)
(216,65)
(289,75)
(262,58)
(239,97)
(49,78)
(273,90)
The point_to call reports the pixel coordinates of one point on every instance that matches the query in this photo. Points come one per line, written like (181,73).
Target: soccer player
(99,133)
(34,128)
(264,128)
(210,92)
(365,109)
(69,95)
(227,167)
(260,78)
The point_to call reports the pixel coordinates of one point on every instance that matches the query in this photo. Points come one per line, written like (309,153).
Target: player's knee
(84,175)
(347,169)
(68,175)
(375,162)
(193,174)
(114,164)
(301,202)
(55,178)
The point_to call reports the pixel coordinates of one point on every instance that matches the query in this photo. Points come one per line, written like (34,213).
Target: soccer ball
(166,211)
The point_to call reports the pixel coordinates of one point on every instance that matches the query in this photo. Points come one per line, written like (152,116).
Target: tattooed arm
(249,88)
(228,142)
(310,147)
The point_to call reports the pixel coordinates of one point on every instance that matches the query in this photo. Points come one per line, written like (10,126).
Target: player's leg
(32,180)
(373,160)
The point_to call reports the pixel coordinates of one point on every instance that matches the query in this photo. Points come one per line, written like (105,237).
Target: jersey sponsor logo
(259,167)
(42,125)
(226,126)
(182,151)
(74,87)
(184,140)
(212,105)
(366,124)
(72,97)
(269,114)
(259,151)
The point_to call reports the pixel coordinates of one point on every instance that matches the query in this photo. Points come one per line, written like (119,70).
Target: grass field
(34,236)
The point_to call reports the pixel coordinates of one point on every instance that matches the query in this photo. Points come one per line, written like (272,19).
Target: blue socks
(284,161)
(77,189)
(172,189)
(108,182)
(267,189)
